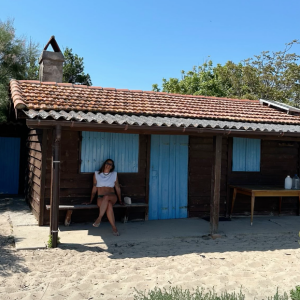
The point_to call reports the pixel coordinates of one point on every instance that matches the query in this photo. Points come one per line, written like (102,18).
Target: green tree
(201,80)
(278,74)
(18,59)
(73,70)
(271,75)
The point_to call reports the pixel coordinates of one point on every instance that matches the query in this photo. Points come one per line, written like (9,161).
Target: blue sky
(133,44)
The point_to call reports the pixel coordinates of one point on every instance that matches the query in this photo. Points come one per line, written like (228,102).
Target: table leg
(252,207)
(280,200)
(68,217)
(233,200)
(126,215)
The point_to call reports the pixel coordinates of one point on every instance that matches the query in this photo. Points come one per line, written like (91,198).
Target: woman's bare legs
(99,201)
(111,216)
(105,204)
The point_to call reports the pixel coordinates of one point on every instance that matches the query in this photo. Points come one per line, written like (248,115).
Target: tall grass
(177,293)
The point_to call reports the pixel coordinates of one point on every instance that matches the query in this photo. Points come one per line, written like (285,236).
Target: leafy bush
(295,294)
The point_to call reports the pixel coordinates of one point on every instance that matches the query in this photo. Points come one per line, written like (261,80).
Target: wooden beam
(216,182)
(55,185)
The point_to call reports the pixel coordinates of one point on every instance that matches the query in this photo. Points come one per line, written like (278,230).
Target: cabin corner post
(216,182)
(55,186)
(43,177)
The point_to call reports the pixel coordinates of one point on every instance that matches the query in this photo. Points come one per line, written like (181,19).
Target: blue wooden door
(168,177)
(9,165)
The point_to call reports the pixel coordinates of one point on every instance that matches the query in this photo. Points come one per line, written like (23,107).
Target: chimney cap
(53,43)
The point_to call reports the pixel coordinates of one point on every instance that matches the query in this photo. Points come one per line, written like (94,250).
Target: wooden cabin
(178,153)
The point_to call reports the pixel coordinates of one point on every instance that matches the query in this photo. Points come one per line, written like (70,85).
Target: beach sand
(114,271)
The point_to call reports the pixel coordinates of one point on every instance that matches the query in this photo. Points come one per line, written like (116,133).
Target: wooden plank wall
(200,171)
(33,172)
(278,159)
(75,187)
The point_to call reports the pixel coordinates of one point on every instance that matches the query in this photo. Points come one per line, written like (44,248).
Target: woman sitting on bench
(104,182)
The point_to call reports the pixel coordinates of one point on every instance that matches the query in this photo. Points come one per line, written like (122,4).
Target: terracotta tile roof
(48,96)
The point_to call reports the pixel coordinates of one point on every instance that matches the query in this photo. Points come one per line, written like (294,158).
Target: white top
(105,180)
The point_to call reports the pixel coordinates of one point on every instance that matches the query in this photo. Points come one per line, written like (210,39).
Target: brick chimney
(51,63)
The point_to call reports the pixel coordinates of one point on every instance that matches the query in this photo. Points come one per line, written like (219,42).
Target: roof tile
(65,84)
(109,89)
(79,86)
(48,83)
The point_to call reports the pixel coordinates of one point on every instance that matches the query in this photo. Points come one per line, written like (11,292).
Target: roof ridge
(132,91)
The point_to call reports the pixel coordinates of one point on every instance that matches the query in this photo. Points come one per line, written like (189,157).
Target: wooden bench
(126,207)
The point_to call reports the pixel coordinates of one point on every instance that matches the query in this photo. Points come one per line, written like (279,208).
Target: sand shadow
(143,239)
(10,263)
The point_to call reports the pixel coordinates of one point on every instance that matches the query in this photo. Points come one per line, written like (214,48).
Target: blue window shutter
(246,155)
(123,149)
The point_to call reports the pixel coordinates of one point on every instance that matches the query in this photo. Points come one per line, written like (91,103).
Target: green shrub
(50,242)
(279,297)
(177,293)
(295,294)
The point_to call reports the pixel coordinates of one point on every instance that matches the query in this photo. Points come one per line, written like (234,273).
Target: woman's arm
(118,190)
(94,190)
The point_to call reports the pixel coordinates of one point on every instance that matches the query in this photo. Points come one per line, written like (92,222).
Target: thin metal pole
(55,186)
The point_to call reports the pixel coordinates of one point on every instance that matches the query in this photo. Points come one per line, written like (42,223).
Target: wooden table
(262,191)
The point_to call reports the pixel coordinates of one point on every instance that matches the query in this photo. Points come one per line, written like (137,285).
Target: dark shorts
(101,196)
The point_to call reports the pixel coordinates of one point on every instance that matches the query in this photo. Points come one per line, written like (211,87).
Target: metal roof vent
(280,105)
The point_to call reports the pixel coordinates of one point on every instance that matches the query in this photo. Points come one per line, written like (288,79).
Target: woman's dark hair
(103,166)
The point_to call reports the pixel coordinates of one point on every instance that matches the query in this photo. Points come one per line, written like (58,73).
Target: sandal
(116,233)
(96,224)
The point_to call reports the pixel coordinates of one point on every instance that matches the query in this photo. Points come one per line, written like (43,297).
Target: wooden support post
(298,170)
(216,182)
(55,184)
(43,177)
(228,177)
(148,137)
(299,205)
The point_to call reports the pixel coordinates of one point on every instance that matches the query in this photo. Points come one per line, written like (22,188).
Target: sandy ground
(114,271)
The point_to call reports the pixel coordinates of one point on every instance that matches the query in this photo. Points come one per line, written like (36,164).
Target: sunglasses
(110,164)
